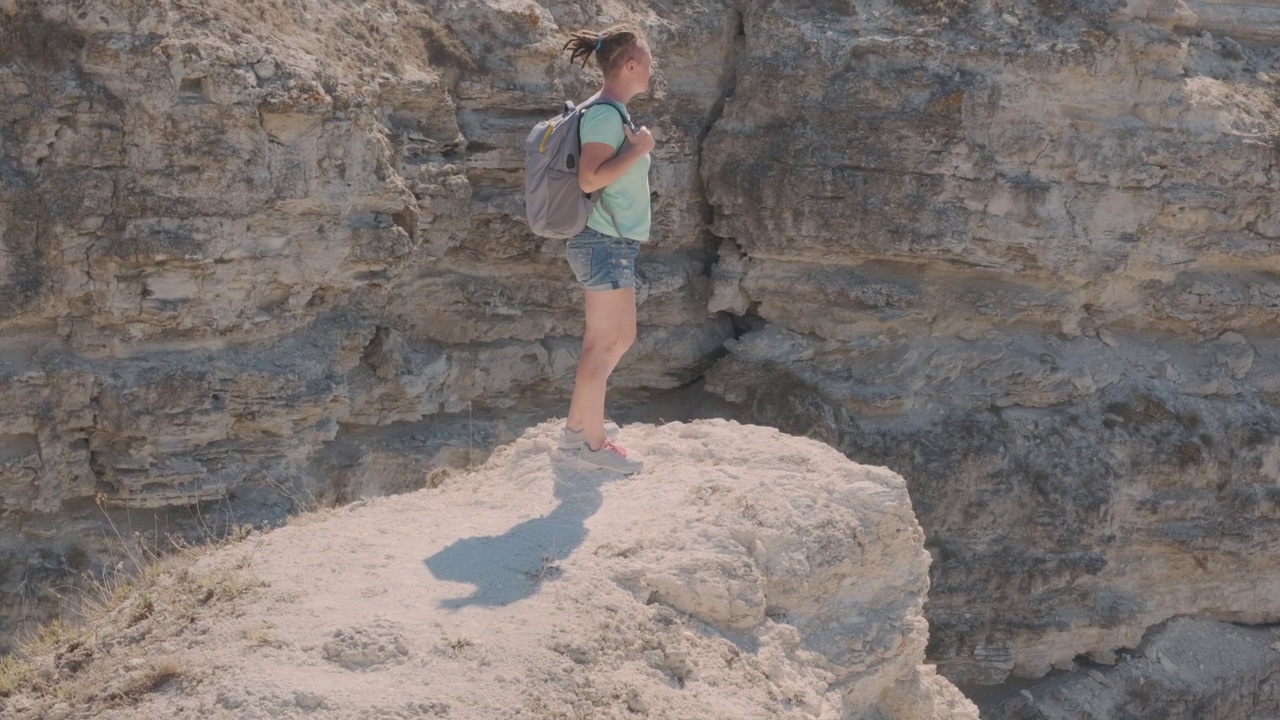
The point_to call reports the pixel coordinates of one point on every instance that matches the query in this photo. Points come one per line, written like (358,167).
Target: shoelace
(614,448)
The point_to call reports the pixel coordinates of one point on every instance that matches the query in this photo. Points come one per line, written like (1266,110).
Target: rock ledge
(746,574)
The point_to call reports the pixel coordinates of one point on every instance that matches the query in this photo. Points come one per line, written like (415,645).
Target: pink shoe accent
(614,448)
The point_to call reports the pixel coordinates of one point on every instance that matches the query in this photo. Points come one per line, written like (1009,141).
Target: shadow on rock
(509,567)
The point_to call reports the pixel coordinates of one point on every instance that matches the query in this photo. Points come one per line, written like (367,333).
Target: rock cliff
(239,239)
(743,574)
(1025,254)
(1022,252)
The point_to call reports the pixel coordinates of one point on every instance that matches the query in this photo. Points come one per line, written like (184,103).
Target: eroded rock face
(1022,253)
(236,239)
(323,194)
(1184,668)
(1025,255)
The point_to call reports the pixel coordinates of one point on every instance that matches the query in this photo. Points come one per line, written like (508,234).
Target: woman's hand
(641,139)
(601,165)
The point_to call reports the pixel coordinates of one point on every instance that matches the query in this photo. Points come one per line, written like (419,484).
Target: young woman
(615,159)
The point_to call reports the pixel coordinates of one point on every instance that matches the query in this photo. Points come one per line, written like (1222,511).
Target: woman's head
(621,52)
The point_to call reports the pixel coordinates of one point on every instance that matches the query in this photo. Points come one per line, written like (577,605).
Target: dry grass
(101,595)
(96,668)
(50,637)
(307,518)
(458,645)
(143,607)
(262,637)
(157,587)
(14,675)
(224,585)
(152,677)
(121,611)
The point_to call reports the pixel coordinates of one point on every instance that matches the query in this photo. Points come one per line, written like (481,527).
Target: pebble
(308,701)
(635,703)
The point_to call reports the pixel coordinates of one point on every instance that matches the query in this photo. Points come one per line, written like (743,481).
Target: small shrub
(457,646)
(14,675)
(49,637)
(151,679)
(223,586)
(142,609)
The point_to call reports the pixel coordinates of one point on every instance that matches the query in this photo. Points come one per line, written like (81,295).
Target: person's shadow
(511,566)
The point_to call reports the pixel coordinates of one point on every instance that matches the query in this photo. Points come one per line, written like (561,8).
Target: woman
(615,159)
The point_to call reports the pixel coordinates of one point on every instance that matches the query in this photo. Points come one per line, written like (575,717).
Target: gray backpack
(553,201)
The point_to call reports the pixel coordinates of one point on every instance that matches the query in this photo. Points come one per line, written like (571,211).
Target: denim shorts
(603,262)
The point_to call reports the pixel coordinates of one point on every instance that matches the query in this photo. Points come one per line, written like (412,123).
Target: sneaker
(574,439)
(610,456)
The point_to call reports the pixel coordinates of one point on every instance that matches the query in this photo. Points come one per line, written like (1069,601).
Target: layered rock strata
(236,239)
(1021,252)
(1026,255)
(1184,668)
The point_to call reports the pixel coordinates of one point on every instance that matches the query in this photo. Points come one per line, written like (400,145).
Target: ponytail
(611,48)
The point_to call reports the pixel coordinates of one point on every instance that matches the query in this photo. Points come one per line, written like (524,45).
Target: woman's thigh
(611,314)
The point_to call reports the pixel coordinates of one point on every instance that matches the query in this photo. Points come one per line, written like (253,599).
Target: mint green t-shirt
(628,196)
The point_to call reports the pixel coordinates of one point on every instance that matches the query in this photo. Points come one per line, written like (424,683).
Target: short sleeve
(602,124)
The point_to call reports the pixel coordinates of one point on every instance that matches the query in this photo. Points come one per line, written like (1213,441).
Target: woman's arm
(600,166)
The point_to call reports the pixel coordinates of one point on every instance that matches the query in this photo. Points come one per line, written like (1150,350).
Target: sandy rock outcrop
(745,573)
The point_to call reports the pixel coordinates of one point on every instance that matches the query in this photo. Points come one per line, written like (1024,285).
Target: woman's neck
(613,91)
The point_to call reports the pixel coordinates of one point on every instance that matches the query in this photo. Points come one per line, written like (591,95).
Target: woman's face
(641,66)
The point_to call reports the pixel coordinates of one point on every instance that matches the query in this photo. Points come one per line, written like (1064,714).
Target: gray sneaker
(610,456)
(573,439)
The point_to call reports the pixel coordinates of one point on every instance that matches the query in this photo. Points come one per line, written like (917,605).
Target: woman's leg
(611,329)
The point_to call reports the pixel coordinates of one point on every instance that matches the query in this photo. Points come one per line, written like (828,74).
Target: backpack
(554,203)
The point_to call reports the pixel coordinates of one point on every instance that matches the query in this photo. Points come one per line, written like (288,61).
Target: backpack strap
(626,120)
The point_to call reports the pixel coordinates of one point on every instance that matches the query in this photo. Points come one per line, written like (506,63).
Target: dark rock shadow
(510,567)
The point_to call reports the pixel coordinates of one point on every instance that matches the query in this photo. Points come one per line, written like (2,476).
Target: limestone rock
(1021,254)
(1185,667)
(745,573)
(233,236)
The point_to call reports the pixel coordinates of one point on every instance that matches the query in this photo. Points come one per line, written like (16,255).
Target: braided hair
(611,47)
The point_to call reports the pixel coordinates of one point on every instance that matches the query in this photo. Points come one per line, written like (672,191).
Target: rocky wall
(243,246)
(1025,254)
(1021,252)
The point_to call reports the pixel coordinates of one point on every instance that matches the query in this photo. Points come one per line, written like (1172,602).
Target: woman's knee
(612,340)
(606,348)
